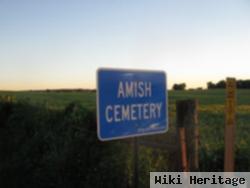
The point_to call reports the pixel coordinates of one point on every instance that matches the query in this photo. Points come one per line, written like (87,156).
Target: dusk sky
(61,44)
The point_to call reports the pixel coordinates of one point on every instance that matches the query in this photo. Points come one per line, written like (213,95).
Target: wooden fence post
(230,124)
(187,121)
(183,146)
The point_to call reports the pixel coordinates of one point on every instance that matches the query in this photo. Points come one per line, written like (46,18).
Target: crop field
(39,127)
(88,98)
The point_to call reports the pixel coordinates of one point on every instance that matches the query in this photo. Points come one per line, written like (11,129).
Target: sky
(60,44)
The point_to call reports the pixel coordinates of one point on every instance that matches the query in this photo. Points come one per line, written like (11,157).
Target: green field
(55,100)
(61,99)
(62,125)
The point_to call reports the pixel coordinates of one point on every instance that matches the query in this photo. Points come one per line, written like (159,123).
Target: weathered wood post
(230,124)
(183,146)
(187,122)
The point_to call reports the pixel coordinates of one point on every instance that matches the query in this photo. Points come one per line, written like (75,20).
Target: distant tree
(181,86)
(221,84)
(199,88)
(211,85)
(241,84)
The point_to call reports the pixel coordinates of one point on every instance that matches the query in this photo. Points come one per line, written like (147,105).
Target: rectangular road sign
(131,103)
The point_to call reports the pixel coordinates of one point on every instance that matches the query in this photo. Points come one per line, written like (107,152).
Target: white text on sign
(133,112)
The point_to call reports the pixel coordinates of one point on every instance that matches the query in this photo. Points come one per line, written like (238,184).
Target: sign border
(132,135)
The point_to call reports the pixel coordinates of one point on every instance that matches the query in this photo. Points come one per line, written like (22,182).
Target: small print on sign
(130,103)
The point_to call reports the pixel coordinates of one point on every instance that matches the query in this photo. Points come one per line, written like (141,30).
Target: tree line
(241,84)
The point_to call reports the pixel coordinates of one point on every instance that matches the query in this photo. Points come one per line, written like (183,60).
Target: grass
(209,97)
(211,119)
(53,100)
(88,99)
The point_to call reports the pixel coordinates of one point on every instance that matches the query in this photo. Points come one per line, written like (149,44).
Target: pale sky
(60,44)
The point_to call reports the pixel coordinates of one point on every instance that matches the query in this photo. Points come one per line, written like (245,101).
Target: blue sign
(131,103)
